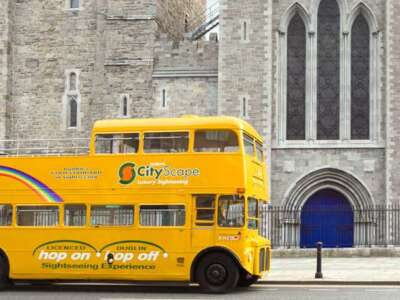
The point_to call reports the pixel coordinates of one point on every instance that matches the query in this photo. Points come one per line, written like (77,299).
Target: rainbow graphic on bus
(39,188)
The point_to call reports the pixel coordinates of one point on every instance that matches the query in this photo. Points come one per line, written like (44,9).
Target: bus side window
(117,143)
(216,141)
(74,215)
(5,214)
(166,142)
(253,213)
(248,143)
(205,210)
(43,216)
(111,215)
(259,151)
(104,143)
(162,215)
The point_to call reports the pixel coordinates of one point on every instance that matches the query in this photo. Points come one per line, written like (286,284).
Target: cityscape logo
(129,172)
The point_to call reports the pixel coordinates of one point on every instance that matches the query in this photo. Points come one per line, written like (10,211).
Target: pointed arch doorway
(327,216)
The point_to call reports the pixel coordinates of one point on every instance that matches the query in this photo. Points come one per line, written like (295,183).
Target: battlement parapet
(200,55)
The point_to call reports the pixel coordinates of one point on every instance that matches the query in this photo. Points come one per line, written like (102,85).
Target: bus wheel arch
(208,251)
(216,257)
(216,270)
(4,270)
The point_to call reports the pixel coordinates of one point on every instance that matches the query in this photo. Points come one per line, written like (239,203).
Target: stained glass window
(296,79)
(360,85)
(328,97)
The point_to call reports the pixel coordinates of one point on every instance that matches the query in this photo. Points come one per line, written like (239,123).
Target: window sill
(328,145)
(73,9)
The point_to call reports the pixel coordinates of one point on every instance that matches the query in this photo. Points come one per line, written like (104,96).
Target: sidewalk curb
(326,282)
(337,252)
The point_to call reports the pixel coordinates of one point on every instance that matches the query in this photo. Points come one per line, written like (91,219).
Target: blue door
(327,216)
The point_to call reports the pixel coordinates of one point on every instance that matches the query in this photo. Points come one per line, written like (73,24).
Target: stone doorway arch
(348,185)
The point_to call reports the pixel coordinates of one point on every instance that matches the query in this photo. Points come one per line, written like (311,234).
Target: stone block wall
(113,54)
(128,50)
(130,8)
(47,40)
(393,104)
(245,63)
(188,75)
(113,44)
(5,64)
(187,55)
(289,166)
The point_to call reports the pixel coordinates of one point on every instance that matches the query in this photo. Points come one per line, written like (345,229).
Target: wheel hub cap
(216,274)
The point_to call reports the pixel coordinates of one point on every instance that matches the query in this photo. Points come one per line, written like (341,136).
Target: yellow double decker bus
(153,200)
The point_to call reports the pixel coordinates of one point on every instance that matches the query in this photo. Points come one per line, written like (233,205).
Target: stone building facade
(318,79)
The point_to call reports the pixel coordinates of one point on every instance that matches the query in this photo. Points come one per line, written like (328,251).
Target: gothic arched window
(360,79)
(328,73)
(296,79)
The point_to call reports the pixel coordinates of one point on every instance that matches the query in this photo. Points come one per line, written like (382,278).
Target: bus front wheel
(217,273)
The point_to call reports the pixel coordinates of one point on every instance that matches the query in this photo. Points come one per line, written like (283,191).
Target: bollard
(318,274)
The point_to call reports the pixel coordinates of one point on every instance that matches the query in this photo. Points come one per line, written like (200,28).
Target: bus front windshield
(231,211)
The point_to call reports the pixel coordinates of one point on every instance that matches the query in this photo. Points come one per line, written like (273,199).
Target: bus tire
(4,274)
(247,280)
(217,273)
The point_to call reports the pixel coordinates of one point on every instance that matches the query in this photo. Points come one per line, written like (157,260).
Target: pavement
(335,270)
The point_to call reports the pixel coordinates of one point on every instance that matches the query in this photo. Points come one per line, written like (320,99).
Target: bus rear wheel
(217,273)
(247,280)
(4,273)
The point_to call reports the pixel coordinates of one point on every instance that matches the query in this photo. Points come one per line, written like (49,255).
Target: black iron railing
(368,227)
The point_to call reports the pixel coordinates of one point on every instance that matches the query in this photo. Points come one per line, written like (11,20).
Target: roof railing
(44,147)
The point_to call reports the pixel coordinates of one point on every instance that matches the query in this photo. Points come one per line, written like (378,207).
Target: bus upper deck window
(166,142)
(259,151)
(248,143)
(117,143)
(216,141)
